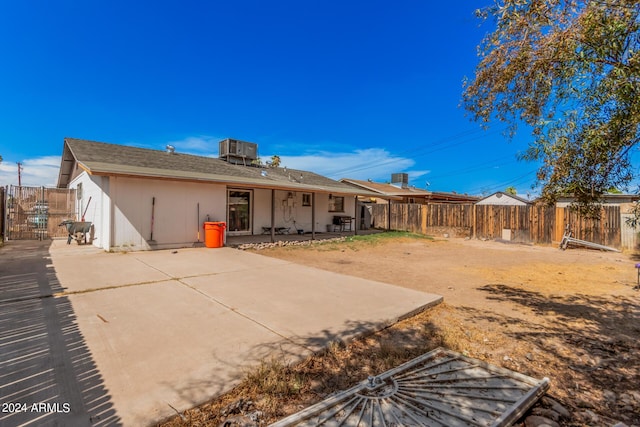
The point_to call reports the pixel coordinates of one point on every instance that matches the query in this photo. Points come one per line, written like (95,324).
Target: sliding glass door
(240,205)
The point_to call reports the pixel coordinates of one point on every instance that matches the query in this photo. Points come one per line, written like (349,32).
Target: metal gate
(34,213)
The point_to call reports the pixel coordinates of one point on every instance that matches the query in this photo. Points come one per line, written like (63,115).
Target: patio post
(273,215)
(355,215)
(313,216)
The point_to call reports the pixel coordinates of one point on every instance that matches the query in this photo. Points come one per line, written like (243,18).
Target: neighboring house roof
(452,197)
(398,192)
(611,199)
(98,158)
(386,189)
(502,198)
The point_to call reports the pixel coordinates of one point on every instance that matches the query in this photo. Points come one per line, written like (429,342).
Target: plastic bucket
(214,234)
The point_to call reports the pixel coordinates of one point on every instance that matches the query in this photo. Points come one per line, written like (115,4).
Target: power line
(438,146)
(477,167)
(497,187)
(368,165)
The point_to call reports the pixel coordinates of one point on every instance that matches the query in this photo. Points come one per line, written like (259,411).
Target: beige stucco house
(141,199)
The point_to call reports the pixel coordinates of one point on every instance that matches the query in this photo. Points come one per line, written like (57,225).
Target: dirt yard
(568,315)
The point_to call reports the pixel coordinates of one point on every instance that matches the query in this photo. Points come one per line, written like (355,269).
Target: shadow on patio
(47,373)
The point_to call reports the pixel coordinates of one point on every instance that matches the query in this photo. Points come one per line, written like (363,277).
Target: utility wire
(438,146)
(412,151)
(498,187)
(480,166)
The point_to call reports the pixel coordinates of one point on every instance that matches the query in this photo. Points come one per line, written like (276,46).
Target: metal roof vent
(171,149)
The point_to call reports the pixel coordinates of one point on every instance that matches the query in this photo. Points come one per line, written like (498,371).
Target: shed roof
(500,194)
(99,158)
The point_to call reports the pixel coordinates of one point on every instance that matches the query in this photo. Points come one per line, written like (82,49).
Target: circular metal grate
(440,388)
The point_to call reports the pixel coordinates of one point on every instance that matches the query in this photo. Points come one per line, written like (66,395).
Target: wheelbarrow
(77,230)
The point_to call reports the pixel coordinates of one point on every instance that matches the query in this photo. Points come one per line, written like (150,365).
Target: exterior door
(239,215)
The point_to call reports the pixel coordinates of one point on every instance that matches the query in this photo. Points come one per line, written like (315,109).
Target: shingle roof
(387,189)
(513,196)
(393,191)
(100,158)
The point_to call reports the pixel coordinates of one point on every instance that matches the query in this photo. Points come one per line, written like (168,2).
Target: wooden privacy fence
(524,223)
(530,224)
(607,230)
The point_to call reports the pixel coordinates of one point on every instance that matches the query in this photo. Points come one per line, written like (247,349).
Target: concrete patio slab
(163,344)
(313,307)
(191,262)
(83,268)
(128,339)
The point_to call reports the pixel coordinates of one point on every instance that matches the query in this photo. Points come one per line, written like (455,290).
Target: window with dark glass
(336,203)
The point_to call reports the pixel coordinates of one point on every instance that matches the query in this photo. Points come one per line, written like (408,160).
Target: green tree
(571,71)
(511,190)
(275,161)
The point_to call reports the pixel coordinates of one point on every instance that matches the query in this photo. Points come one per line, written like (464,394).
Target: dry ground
(568,315)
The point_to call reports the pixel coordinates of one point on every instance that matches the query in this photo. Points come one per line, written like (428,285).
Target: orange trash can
(214,234)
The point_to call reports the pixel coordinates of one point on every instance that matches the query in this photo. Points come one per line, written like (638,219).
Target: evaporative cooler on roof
(400,180)
(238,152)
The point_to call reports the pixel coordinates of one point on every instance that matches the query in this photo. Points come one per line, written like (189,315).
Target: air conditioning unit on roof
(238,152)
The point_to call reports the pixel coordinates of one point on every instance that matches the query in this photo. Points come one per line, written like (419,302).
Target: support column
(355,215)
(313,216)
(273,215)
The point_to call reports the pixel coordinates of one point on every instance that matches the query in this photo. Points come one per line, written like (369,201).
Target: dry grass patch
(277,389)
(567,315)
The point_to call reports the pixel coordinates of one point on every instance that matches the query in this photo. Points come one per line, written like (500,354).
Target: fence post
(558,226)
(475,224)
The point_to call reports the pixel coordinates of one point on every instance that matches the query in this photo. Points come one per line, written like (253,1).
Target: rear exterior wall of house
(142,214)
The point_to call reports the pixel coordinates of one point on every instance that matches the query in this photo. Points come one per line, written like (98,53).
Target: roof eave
(118,170)
(66,166)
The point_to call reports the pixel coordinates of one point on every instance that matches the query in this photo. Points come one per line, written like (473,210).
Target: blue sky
(343,88)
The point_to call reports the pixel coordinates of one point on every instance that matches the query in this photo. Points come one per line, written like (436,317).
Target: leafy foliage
(571,71)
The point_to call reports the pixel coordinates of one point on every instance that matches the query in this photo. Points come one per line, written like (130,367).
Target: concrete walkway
(123,339)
